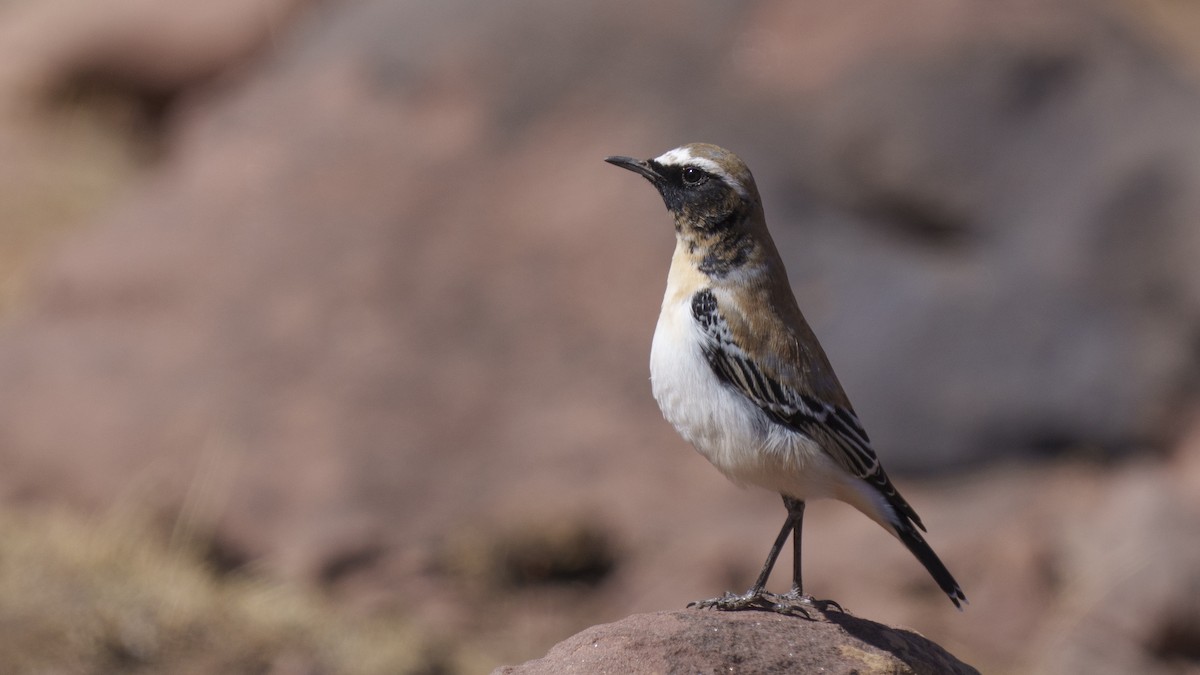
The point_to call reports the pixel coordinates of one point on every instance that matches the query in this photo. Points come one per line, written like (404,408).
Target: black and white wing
(835,429)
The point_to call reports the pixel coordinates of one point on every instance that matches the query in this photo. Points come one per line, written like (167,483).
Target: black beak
(641,166)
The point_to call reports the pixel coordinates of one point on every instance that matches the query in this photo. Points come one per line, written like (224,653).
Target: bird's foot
(796,598)
(732,602)
(794,605)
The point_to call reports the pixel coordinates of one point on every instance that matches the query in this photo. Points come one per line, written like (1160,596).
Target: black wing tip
(958,598)
(916,520)
(933,564)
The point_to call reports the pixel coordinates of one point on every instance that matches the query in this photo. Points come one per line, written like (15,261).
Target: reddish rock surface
(700,641)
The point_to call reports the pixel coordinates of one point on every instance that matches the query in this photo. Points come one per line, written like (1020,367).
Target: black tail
(916,543)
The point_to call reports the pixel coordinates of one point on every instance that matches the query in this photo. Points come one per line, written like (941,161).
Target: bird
(736,369)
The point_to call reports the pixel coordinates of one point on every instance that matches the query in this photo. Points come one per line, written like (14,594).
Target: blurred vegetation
(117,594)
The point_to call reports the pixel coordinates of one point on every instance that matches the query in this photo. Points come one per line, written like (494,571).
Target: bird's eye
(692,175)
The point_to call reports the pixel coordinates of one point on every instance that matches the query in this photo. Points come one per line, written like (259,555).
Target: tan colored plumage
(739,373)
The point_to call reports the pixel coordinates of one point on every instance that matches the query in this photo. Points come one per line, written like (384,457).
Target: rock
(1130,589)
(703,641)
(162,47)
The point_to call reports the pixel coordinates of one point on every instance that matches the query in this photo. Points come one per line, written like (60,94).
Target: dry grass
(78,596)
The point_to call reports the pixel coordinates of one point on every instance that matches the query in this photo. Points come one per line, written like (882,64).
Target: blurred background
(324,329)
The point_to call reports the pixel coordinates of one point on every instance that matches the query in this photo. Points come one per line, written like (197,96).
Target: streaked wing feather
(835,429)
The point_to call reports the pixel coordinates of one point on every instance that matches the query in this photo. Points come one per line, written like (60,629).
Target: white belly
(729,430)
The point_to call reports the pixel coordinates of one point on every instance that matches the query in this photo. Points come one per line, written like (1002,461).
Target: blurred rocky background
(324,329)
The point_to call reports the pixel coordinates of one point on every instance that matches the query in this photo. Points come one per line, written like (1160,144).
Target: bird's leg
(757,597)
(795,509)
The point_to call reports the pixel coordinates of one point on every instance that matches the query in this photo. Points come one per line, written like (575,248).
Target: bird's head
(718,214)
(704,186)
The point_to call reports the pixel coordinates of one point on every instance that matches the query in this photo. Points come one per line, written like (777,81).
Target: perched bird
(738,372)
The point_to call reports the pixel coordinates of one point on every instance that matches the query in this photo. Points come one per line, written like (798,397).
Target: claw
(794,598)
(731,602)
(792,604)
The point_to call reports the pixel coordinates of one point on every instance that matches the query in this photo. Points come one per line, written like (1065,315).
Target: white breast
(723,426)
(729,430)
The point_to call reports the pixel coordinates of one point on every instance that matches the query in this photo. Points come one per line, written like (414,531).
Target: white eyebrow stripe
(683,156)
(675,157)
